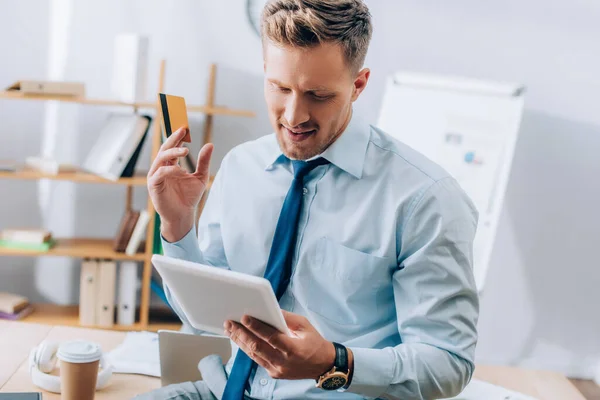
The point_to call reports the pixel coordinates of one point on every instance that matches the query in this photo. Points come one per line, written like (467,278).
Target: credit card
(174,115)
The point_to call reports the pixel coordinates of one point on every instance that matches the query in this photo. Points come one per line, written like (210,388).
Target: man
(368,245)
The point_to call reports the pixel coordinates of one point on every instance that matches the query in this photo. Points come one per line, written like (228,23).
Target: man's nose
(296,113)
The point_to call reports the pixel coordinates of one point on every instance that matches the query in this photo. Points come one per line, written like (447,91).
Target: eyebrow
(314,89)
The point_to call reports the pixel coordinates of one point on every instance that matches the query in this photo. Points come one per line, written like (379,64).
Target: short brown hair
(307,23)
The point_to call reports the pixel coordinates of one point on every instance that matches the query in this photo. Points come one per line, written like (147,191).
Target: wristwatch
(338,376)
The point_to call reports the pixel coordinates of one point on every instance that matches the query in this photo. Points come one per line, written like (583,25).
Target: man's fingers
(175,139)
(294,321)
(266,332)
(204,161)
(163,172)
(253,345)
(167,157)
(259,360)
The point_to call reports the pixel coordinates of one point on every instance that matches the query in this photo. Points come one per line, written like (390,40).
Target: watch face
(334,383)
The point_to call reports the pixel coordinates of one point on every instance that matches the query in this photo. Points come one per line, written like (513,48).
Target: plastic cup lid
(79,351)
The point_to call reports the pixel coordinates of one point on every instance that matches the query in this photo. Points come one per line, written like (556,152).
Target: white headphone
(42,360)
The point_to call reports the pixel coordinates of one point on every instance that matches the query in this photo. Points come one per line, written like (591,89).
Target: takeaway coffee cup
(79,364)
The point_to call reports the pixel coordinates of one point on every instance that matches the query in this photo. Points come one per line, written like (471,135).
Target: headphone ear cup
(104,375)
(47,382)
(40,379)
(45,358)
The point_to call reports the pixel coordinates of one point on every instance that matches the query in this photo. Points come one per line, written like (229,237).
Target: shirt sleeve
(205,248)
(437,305)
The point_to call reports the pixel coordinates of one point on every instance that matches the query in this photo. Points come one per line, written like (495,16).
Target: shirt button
(263,381)
(305,191)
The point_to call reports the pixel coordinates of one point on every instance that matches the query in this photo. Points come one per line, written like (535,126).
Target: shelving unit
(102,248)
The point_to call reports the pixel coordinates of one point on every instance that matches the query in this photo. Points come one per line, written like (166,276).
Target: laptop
(181,352)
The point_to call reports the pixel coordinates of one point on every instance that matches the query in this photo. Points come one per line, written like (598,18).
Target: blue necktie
(279,266)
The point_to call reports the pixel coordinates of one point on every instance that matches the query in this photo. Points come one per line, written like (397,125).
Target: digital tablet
(209,296)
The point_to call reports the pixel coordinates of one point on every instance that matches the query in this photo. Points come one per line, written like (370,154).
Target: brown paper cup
(79,364)
(78,380)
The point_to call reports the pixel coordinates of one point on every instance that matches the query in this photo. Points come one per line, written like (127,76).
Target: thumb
(295,322)
(204,162)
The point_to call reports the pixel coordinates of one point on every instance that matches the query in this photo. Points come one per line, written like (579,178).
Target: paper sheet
(479,390)
(138,354)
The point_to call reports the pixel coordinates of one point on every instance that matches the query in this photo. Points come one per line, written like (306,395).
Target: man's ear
(360,83)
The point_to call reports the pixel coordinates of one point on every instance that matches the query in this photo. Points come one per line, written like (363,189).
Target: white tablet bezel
(268,311)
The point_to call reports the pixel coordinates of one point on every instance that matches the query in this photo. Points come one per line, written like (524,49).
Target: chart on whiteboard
(467,127)
(471,151)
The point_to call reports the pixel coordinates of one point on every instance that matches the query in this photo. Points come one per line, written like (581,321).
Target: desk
(17,338)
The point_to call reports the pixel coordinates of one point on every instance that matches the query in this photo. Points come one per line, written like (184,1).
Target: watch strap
(341,358)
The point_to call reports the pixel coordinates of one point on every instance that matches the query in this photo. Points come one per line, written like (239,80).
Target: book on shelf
(17,315)
(42,247)
(48,166)
(14,306)
(11,303)
(26,235)
(8,166)
(126,227)
(48,88)
(131,233)
(138,234)
(26,239)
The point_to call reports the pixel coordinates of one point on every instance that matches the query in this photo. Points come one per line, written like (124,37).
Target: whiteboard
(469,127)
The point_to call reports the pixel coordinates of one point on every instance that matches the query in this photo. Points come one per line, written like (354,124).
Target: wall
(538,308)
(23,45)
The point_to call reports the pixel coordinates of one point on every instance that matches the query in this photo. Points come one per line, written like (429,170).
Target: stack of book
(131,233)
(13,306)
(26,239)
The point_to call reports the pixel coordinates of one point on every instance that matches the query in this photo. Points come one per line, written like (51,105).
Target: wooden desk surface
(543,385)
(17,339)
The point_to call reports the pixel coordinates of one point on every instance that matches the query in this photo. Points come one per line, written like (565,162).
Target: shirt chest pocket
(348,286)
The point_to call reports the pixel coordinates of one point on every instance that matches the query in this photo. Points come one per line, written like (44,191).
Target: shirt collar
(347,152)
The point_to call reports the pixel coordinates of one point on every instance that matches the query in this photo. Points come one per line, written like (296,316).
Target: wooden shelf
(52,314)
(75,176)
(13,95)
(215,110)
(79,176)
(81,247)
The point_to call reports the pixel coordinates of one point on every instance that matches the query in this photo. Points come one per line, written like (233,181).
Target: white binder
(116,144)
(130,67)
(105,300)
(126,293)
(87,292)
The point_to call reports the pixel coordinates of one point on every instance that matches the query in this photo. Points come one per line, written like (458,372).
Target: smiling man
(367,244)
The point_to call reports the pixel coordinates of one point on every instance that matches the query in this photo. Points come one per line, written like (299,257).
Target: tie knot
(302,168)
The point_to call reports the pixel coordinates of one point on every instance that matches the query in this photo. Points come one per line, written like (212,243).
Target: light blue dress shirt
(383,260)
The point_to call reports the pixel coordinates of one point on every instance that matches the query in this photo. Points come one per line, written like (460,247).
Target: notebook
(21,396)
